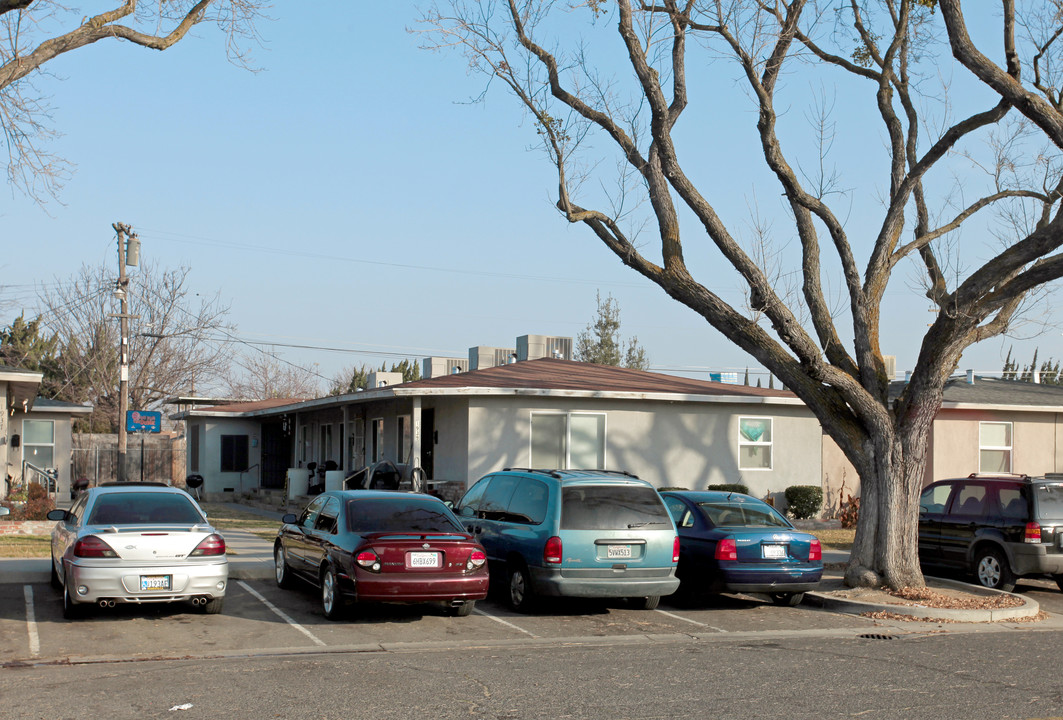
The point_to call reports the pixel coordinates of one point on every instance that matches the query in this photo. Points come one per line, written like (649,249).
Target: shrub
(730,487)
(804,501)
(850,513)
(36,506)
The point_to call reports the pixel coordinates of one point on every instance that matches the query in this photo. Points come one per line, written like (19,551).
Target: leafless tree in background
(33,32)
(607,82)
(258,375)
(179,343)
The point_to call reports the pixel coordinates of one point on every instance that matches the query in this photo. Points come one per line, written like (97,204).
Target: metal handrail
(50,475)
(245,470)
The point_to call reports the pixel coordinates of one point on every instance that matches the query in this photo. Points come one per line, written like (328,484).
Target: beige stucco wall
(1035,441)
(669,444)
(214,480)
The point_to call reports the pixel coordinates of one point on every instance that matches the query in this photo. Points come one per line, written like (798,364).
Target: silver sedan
(137,543)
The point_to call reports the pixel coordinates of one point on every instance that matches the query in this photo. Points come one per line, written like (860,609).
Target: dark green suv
(998,527)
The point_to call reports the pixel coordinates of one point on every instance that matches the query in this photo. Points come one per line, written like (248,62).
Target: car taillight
(368,560)
(552,551)
(675,550)
(91,546)
(1033,532)
(211,545)
(476,560)
(726,549)
(815,551)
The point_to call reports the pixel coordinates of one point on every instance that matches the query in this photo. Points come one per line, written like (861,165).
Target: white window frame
(568,435)
(744,442)
(1008,450)
(27,445)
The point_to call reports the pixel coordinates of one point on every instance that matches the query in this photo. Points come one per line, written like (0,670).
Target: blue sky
(347,196)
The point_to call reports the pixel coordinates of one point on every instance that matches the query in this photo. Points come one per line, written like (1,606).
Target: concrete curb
(1028,609)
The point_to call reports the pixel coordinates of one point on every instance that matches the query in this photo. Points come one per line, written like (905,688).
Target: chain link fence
(158,458)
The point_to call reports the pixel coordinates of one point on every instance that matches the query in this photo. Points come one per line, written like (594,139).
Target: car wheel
(463,610)
(54,578)
(645,603)
(281,569)
(71,609)
(787,599)
(991,569)
(213,606)
(331,602)
(521,596)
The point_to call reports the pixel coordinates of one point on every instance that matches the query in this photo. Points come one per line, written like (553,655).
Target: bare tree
(258,375)
(914,157)
(34,32)
(177,342)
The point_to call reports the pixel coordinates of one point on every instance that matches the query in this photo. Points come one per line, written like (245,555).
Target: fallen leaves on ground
(927,597)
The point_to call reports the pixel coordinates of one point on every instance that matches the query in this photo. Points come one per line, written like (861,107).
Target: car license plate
(422,560)
(154,582)
(774,552)
(618,551)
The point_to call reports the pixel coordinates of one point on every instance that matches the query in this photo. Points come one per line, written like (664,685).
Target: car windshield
(144,508)
(1049,501)
(608,507)
(730,514)
(410,515)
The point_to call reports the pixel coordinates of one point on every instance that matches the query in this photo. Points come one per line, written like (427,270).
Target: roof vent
(970,377)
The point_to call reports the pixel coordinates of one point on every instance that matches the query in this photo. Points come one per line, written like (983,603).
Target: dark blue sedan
(729,542)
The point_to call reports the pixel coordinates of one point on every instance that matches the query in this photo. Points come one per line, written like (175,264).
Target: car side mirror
(290,518)
(4,511)
(57,514)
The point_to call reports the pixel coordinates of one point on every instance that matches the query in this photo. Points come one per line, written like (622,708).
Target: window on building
(234,453)
(754,443)
(994,447)
(38,441)
(568,440)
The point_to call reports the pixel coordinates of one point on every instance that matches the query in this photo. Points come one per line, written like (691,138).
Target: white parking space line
(31,622)
(478,611)
(280,613)
(692,622)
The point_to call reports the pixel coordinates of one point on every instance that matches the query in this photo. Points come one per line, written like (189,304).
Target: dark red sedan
(368,546)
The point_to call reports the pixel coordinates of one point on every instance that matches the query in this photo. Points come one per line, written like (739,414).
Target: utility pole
(128,254)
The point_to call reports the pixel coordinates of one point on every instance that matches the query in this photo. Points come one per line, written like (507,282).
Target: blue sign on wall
(143,421)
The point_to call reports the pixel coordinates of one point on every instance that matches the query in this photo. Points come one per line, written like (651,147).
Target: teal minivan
(573,533)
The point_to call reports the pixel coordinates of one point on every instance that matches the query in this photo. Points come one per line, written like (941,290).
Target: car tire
(213,606)
(992,570)
(71,609)
(282,571)
(519,592)
(53,579)
(785,599)
(645,603)
(331,601)
(463,610)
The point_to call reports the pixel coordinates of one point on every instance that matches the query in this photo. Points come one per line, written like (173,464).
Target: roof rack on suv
(133,484)
(551,473)
(1001,475)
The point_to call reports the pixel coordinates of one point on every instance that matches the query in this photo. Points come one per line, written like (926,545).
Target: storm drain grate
(876,636)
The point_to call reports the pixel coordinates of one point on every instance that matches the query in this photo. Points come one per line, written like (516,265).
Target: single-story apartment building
(545,412)
(35,433)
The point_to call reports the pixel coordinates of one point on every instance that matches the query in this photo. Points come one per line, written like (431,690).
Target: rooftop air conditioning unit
(482,356)
(533,347)
(438,366)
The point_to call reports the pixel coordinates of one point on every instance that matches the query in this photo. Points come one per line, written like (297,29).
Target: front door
(428,442)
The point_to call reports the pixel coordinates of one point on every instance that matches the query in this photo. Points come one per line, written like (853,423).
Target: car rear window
(725,514)
(1049,501)
(611,507)
(409,515)
(143,508)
